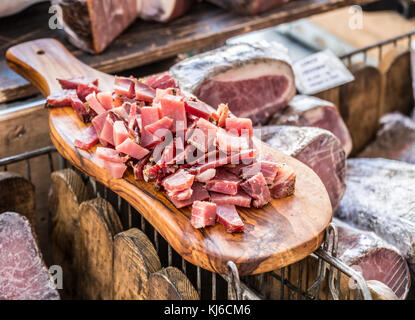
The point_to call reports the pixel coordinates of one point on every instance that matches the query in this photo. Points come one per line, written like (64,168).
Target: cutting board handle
(42,61)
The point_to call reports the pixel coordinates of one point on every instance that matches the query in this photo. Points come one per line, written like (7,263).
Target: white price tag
(320,71)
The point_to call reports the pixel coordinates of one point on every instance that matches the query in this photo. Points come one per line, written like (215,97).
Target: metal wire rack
(321,272)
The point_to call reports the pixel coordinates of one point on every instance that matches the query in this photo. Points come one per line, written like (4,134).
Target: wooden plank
(144,42)
(286,222)
(98,225)
(135,259)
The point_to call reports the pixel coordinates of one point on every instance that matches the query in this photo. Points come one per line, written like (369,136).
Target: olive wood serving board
(281,233)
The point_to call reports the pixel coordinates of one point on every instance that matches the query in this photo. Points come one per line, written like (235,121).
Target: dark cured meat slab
(255,80)
(23,274)
(374,258)
(317,148)
(380,197)
(395,139)
(162,10)
(308,111)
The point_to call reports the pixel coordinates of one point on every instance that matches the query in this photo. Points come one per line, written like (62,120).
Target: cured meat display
(308,111)
(162,10)
(170,138)
(380,197)
(395,139)
(374,258)
(255,80)
(317,148)
(23,274)
(248,6)
(93,24)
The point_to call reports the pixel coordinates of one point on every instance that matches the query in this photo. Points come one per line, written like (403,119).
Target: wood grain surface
(276,235)
(144,42)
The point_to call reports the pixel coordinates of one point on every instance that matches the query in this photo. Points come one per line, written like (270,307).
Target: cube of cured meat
(199,194)
(228,216)
(173,107)
(228,142)
(107,133)
(198,109)
(120,132)
(94,104)
(109,154)
(93,24)
(84,90)
(88,139)
(284,182)
(241,199)
(203,214)
(106,100)
(132,148)
(144,92)
(181,195)
(124,86)
(224,182)
(66,98)
(179,181)
(160,81)
(23,274)
(203,135)
(115,169)
(241,125)
(257,188)
(268,169)
(149,115)
(73,83)
(160,127)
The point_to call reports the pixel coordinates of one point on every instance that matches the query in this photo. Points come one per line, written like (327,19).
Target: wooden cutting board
(279,234)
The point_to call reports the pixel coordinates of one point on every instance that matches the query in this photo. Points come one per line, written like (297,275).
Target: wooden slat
(146,42)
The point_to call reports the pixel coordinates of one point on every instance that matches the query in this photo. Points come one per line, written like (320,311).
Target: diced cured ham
(203,214)
(160,127)
(268,169)
(85,89)
(241,199)
(181,195)
(257,188)
(110,154)
(160,81)
(115,169)
(227,216)
(106,100)
(124,86)
(249,7)
(199,194)
(94,104)
(228,142)
(23,274)
(162,10)
(198,109)
(66,98)
(144,92)
(75,82)
(284,183)
(149,115)
(206,176)
(88,139)
(120,132)
(255,80)
(224,182)
(173,107)
(203,135)
(107,130)
(132,148)
(307,111)
(242,125)
(179,181)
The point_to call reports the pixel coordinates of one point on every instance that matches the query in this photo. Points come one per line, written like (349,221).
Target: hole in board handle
(40,52)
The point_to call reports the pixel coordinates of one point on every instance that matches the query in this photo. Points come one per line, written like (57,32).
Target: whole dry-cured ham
(380,197)
(374,258)
(255,80)
(308,111)
(170,138)
(23,274)
(248,6)
(395,139)
(315,147)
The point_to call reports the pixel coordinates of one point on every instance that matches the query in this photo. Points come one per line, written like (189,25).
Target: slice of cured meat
(241,199)
(23,274)
(199,194)
(224,182)
(227,216)
(257,188)
(203,214)
(380,197)
(374,258)
(307,111)
(255,80)
(395,139)
(315,147)
(162,10)
(88,139)
(250,7)
(179,181)
(284,182)
(93,24)
(132,148)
